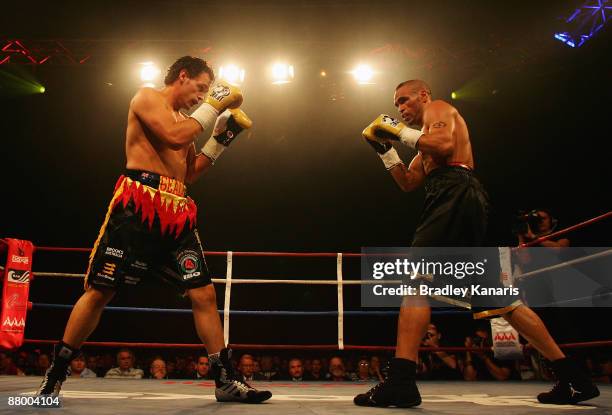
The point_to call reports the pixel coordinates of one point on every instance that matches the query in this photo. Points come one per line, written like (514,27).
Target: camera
(525,220)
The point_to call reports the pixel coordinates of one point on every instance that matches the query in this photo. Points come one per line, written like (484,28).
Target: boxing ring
(105,396)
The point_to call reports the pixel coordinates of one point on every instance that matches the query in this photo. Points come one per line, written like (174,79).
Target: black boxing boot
(398,389)
(56,374)
(229,386)
(573,385)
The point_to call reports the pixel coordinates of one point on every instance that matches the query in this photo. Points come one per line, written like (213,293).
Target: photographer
(535,224)
(480,364)
(437,364)
(537,291)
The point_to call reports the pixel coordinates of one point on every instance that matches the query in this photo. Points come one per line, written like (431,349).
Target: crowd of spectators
(478,364)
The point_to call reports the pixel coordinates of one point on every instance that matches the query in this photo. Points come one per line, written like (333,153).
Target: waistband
(452,170)
(157,181)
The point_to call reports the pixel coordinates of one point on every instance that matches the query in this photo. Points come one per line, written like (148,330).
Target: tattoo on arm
(438,124)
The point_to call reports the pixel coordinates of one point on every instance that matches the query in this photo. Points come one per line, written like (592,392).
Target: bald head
(415,86)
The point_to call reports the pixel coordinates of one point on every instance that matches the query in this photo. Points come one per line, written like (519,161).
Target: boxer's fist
(385,128)
(384,148)
(229,124)
(381,147)
(223,96)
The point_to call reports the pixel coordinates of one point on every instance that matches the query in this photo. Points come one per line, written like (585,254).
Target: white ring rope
(340,302)
(228,293)
(565,264)
(348,282)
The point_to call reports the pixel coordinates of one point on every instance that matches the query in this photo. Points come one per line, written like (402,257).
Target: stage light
(149,72)
(363,74)
(41,89)
(323,74)
(282,73)
(453,95)
(232,74)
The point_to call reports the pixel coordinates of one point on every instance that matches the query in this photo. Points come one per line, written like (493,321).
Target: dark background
(302,179)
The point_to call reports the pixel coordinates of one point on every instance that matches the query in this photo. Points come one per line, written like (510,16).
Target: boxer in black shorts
(150,227)
(454,215)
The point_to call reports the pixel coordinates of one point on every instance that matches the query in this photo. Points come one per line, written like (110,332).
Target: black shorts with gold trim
(149,230)
(455,214)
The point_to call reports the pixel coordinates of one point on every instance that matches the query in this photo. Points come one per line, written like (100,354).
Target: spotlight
(41,89)
(453,95)
(282,73)
(363,74)
(149,72)
(232,74)
(323,74)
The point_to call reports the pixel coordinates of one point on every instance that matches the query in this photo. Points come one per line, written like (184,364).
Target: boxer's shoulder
(146,96)
(440,105)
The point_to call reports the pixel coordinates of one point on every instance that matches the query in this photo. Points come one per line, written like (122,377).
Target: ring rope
(285,313)
(340,302)
(566,230)
(340,281)
(228,294)
(565,264)
(239,346)
(345,254)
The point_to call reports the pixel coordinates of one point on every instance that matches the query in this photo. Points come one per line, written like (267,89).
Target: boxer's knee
(98,296)
(203,297)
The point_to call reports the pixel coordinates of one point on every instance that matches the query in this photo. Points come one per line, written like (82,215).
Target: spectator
(375,370)
(78,368)
(93,364)
(268,370)
(337,372)
(105,363)
(480,364)
(245,368)
(363,371)
(296,370)
(42,364)
(256,367)
(189,370)
(171,370)
(437,364)
(158,369)
(125,360)
(202,368)
(316,370)
(8,366)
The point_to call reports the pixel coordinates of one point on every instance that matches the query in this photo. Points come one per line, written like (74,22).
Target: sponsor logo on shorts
(140,265)
(189,263)
(18,276)
(114,252)
(20,259)
(109,269)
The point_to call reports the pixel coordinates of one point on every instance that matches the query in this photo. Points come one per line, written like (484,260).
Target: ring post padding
(228,293)
(340,302)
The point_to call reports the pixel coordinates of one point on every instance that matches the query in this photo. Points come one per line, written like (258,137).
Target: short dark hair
(416,85)
(194,66)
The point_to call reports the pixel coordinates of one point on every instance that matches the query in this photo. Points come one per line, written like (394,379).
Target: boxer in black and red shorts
(150,229)
(150,226)
(454,215)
